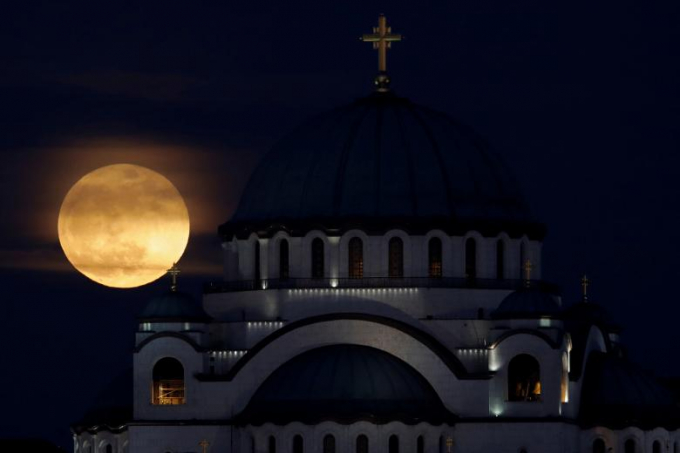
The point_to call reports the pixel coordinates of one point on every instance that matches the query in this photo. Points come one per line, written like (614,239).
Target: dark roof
(382,162)
(29,445)
(617,394)
(173,306)
(345,384)
(532,302)
(112,409)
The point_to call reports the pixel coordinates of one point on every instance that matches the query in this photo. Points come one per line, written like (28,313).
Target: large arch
(420,350)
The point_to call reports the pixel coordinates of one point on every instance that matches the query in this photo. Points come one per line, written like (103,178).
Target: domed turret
(382,162)
(532,302)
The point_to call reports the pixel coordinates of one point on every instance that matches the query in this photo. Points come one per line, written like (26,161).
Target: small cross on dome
(585,282)
(173,272)
(382,39)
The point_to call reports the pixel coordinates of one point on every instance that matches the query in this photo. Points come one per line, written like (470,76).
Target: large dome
(382,162)
(345,383)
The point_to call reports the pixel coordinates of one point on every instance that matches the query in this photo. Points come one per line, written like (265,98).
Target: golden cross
(527,271)
(449,444)
(204,444)
(584,284)
(382,39)
(174,272)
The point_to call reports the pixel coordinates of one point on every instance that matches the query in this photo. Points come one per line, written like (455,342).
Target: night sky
(580,98)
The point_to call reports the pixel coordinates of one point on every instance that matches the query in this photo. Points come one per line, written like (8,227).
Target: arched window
(328,443)
(271,445)
(168,382)
(256,264)
(629,446)
(317,258)
(656,447)
(396,258)
(420,445)
(598,446)
(298,446)
(470,259)
(252,444)
(362,444)
(284,260)
(522,260)
(393,445)
(524,379)
(355,258)
(434,258)
(441,444)
(109,448)
(676,448)
(500,259)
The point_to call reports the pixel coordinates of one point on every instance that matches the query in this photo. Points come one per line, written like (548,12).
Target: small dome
(382,162)
(526,303)
(173,306)
(617,393)
(345,384)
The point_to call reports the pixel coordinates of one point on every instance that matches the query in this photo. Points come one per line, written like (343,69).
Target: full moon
(123,225)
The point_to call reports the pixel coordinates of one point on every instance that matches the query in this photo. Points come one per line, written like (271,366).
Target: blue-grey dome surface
(345,384)
(173,306)
(617,394)
(532,302)
(381,158)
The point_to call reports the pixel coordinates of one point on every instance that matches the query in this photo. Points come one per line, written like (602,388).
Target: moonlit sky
(581,99)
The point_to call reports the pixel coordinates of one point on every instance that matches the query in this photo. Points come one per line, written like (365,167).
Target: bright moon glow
(123,225)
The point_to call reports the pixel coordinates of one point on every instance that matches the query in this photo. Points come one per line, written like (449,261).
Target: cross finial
(382,39)
(585,282)
(204,444)
(527,272)
(174,272)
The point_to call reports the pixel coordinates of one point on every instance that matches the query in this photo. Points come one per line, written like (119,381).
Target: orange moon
(123,225)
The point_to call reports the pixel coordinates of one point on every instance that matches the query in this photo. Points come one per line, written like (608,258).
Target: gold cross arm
(382,39)
(174,272)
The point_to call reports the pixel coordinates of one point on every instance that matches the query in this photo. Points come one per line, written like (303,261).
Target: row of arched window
(361,444)
(395,257)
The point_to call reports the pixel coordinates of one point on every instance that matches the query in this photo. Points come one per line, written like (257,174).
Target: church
(382,293)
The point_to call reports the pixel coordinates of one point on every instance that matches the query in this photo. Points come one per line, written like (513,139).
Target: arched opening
(441,444)
(329,443)
(252,444)
(362,444)
(470,259)
(629,446)
(271,445)
(434,258)
(108,448)
(420,445)
(256,264)
(656,447)
(284,260)
(500,259)
(393,444)
(168,382)
(676,448)
(524,379)
(355,258)
(599,446)
(522,259)
(317,258)
(298,446)
(396,258)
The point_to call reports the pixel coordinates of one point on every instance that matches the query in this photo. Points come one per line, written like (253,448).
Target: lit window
(434,253)
(168,382)
(524,379)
